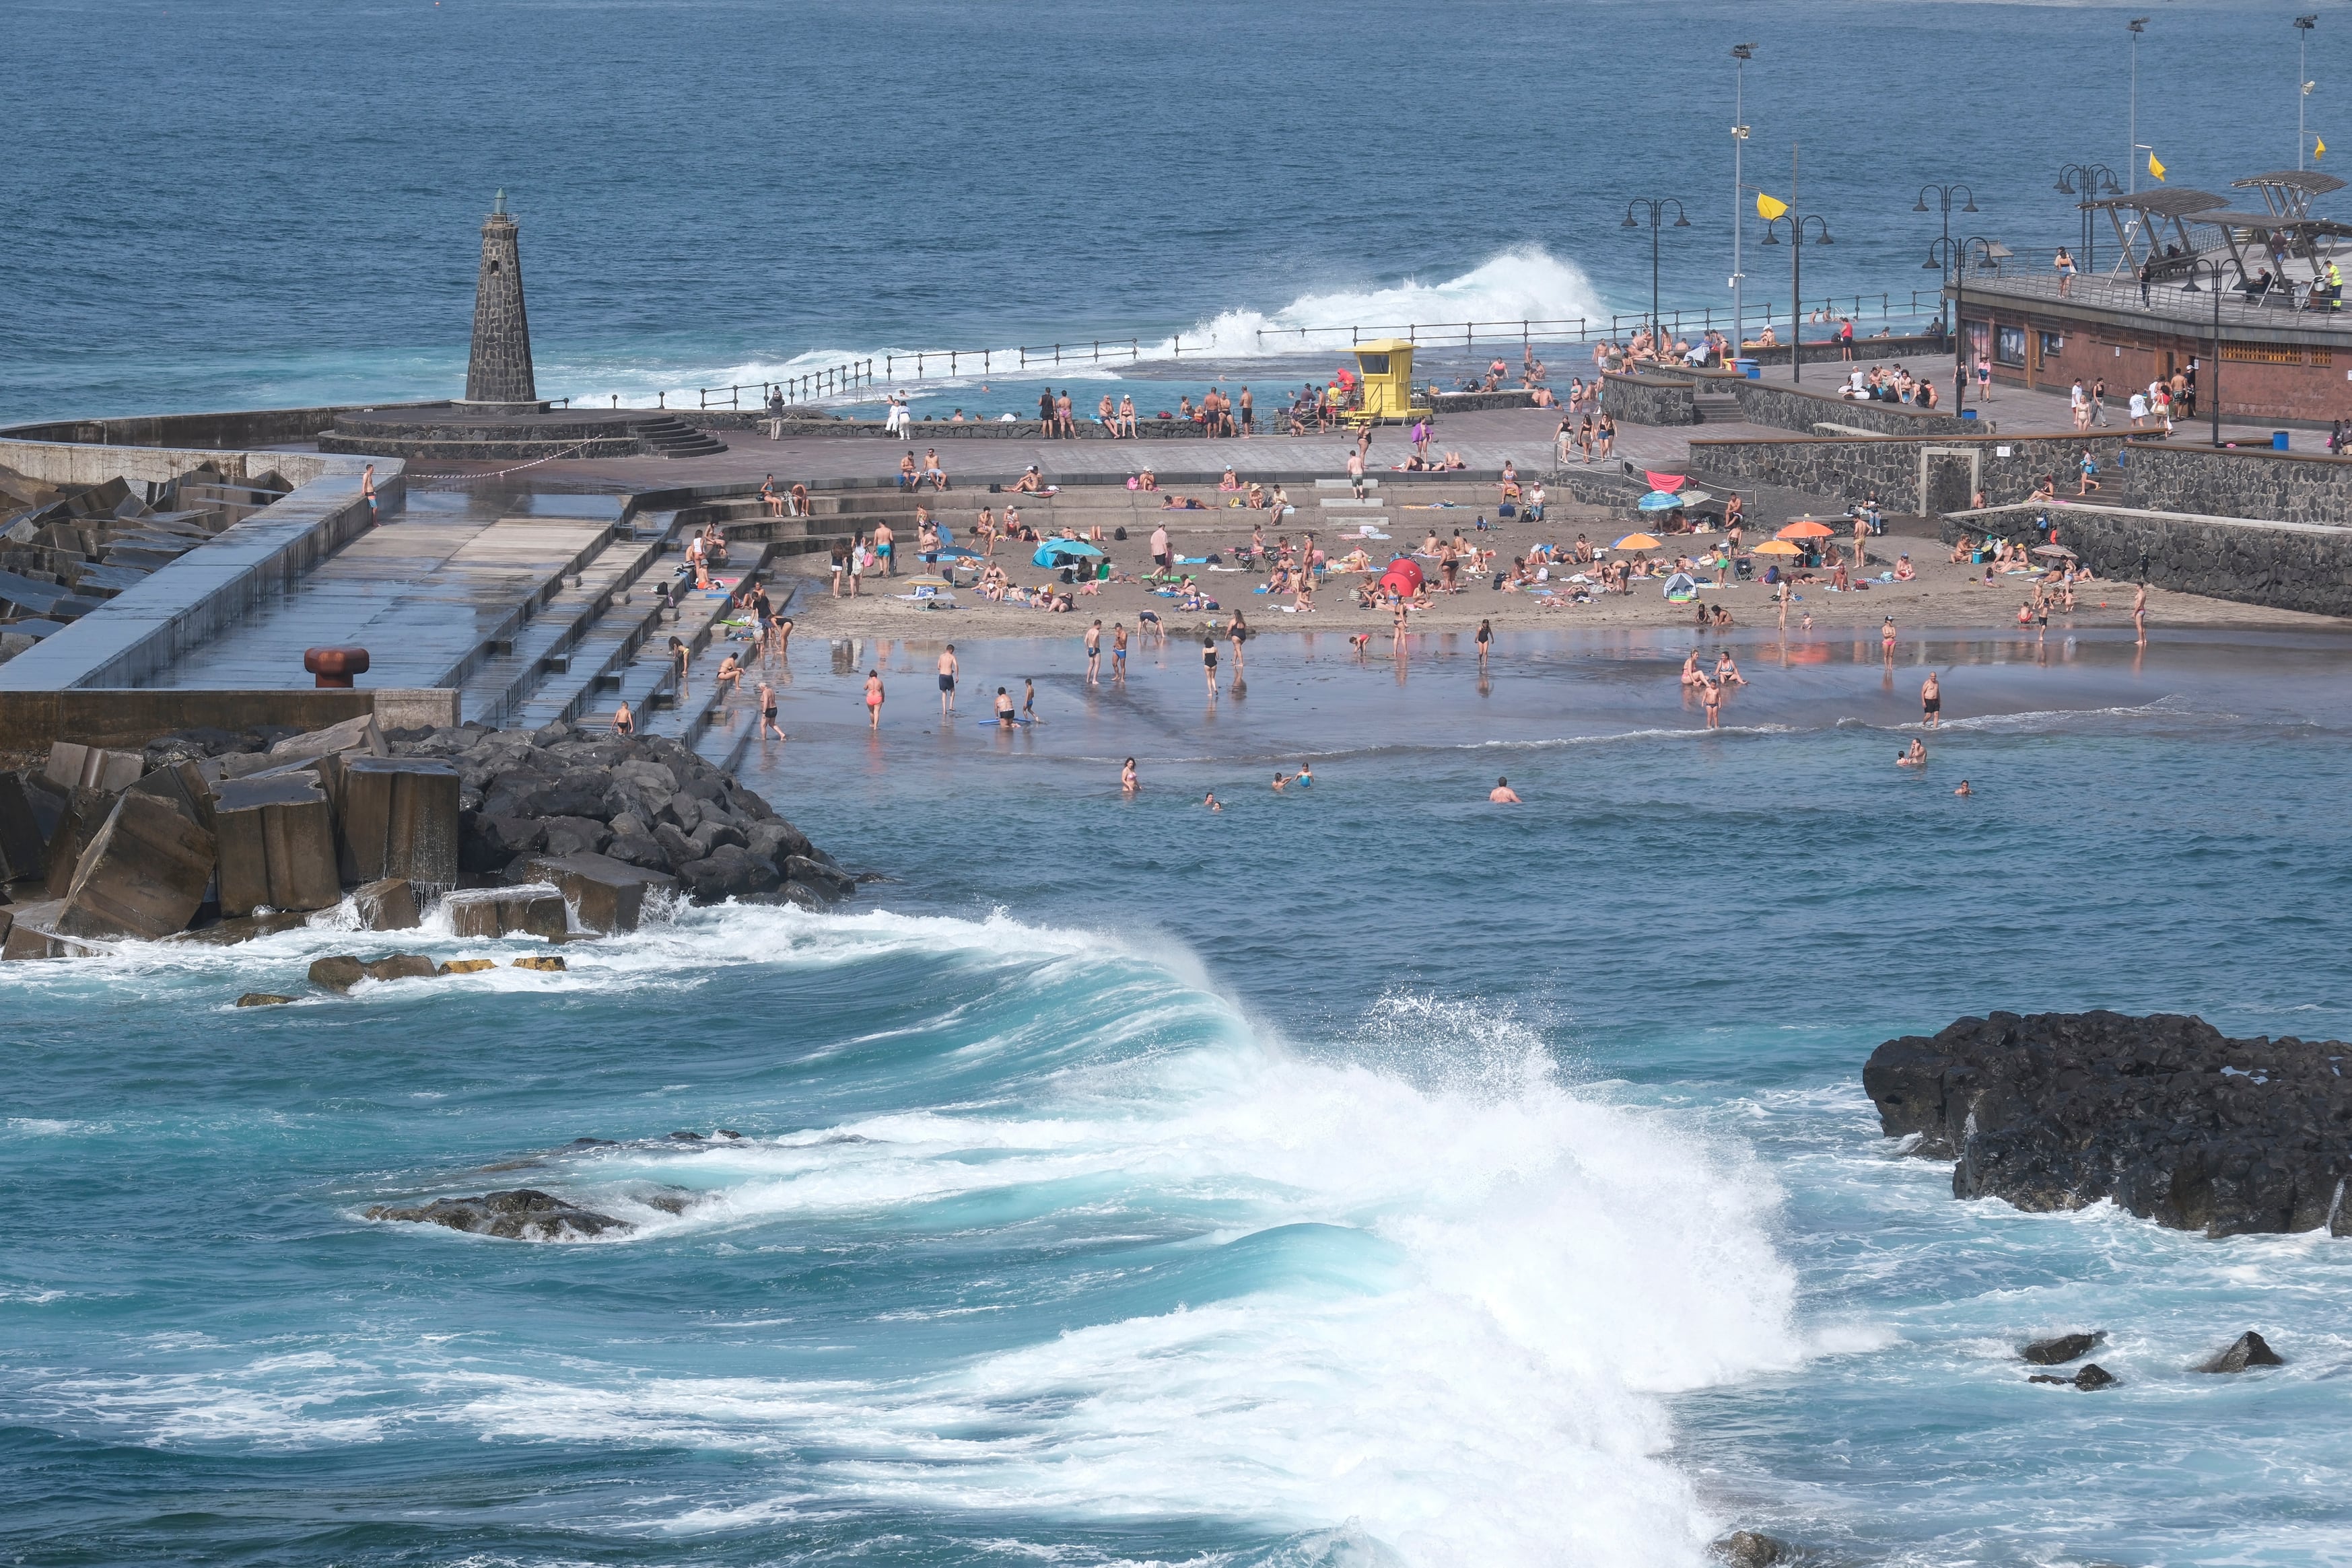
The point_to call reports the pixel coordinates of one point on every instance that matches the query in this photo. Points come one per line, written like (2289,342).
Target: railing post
(661,400)
(1058,353)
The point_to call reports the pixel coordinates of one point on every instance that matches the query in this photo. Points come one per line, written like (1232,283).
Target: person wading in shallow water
(1931,701)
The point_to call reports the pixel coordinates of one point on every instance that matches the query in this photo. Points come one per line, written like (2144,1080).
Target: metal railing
(857,378)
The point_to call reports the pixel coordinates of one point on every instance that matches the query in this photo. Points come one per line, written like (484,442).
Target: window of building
(2052,344)
(2009,345)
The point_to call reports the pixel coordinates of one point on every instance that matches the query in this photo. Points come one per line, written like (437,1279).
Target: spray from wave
(1526,284)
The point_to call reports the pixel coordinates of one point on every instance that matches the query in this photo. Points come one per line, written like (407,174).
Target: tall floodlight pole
(2303,26)
(2138,24)
(1740,55)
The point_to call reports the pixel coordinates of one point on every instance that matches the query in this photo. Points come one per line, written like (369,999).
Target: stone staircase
(1717,408)
(599,596)
(670,436)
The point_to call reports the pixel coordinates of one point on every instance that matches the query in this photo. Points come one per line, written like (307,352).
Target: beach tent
(1680,586)
(1401,576)
(1061,552)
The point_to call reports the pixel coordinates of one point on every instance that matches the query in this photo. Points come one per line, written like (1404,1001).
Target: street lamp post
(1944,195)
(1740,55)
(2091,178)
(1796,222)
(1655,206)
(2138,24)
(1951,255)
(2212,392)
(2303,26)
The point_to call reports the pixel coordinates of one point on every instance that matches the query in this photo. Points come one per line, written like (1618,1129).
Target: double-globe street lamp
(1656,208)
(1944,195)
(1950,256)
(2090,180)
(1797,221)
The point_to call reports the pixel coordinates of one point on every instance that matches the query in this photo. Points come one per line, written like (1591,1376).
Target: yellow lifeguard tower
(1385,365)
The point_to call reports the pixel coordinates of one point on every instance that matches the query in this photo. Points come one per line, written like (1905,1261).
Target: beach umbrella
(1052,549)
(1660,501)
(2054,550)
(1806,528)
(957,552)
(1635,541)
(1777,547)
(928,582)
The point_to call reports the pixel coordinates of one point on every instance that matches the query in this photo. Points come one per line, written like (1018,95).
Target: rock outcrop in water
(2164,1115)
(524,1214)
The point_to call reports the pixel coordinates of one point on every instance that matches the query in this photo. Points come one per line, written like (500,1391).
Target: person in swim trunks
(949,670)
(1931,701)
(1004,707)
(768,712)
(1118,650)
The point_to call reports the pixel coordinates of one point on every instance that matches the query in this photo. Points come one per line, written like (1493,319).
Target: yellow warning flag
(2318,148)
(1766,208)
(2154,167)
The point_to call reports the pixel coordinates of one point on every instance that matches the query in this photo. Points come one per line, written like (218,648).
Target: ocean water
(275,203)
(1361,1175)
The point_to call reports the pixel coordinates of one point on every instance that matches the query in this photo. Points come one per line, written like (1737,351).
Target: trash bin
(1748,368)
(2278,441)
(1968,413)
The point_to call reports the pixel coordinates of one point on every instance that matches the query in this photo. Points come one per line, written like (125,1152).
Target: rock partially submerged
(521,1214)
(2058,1352)
(1753,1549)
(2249,1349)
(2092,1376)
(2163,1115)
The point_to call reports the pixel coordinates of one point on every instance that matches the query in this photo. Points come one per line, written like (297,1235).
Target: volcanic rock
(547,962)
(522,1214)
(1753,1549)
(339,973)
(2164,1116)
(2249,1349)
(466,965)
(2059,1351)
(262,999)
(2092,1376)
(402,967)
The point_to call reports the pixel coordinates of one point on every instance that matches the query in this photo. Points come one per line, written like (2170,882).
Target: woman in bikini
(873,699)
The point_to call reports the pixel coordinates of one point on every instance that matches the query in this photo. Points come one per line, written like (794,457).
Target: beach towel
(1669,483)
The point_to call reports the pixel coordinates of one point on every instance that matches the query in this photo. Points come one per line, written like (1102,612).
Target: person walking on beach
(1931,702)
(1237,633)
(1094,652)
(873,699)
(1162,560)
(768,712)
(1485,641)
(949,670)
(1029,699)
(367,492)
(1356,473)
(1502,794)
(2140,614)
(1886,637)
(1209,662)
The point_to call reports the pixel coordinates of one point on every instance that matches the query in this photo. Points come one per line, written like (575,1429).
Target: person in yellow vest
(2335,287)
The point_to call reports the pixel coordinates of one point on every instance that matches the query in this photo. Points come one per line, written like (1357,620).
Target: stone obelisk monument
(499,372)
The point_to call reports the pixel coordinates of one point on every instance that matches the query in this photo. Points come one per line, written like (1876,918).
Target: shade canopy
(1806,528)
(1053,551)
(1777,547)
(1635,541)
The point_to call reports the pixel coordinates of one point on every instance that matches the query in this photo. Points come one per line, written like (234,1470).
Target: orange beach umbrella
(1777,547)
(1635,541)
(1806,528)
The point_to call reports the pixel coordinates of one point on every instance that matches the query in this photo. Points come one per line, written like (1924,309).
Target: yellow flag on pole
(1768,209)
(2154,167)
(2318,148)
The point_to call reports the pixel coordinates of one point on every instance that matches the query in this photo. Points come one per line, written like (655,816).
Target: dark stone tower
(499,372)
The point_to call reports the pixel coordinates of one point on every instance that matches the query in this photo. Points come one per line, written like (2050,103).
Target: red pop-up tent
(1402,576)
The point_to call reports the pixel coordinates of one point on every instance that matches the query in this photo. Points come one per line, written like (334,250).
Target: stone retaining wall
(1649,399)
(2279,566)
(1850,467)
(924,431)
(1866,351)
(2246,482)
(1480,402)
(1786,407)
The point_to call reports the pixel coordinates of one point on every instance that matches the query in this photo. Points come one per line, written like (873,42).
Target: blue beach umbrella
(1660,501)
(1048,553)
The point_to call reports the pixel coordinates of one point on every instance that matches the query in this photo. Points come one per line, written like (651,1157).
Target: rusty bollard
(335,667)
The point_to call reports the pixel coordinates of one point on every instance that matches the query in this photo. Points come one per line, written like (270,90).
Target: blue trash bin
(1968,413)
(1748,368)
(2278,441)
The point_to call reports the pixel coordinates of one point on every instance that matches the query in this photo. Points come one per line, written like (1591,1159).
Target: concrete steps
(550,641)
(670,436)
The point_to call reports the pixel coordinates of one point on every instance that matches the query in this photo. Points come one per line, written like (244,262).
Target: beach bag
(1119,534)
(1507,511)
(1133,483)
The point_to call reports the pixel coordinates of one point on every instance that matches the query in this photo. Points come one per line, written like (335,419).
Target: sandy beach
(1942,594)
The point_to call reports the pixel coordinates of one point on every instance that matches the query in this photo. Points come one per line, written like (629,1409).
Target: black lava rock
(2059,1351)
(1753,1549)
(2164,1115)
(2249,1349)
(524,1214)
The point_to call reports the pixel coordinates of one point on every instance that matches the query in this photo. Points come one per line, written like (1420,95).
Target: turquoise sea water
(274,202)
(1369,1175)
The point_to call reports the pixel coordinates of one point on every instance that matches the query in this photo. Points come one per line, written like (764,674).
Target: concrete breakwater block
(32,935)
(276,840)
(142,876)
(389,905)
(537,910)
(90,767)
(77,824)
(243,928)
(359,734)
(21,845)
(183,787)
(607,895)
(399,819)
